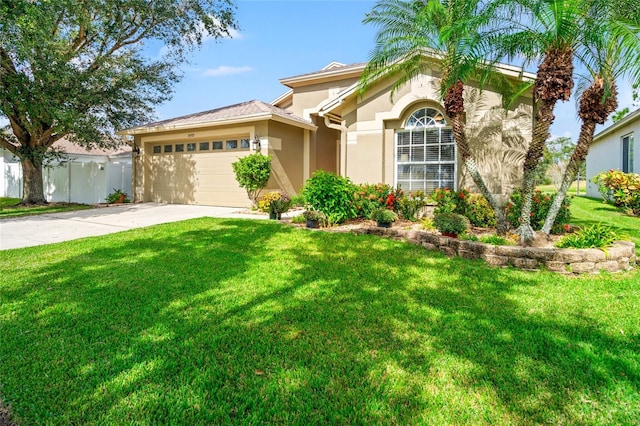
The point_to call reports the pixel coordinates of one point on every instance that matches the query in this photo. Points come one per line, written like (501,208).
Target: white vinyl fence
(83,179)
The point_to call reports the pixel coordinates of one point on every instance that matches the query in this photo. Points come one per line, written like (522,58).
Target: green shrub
(540,205)
(621,189)
(595,236)
(451,223)
(117,196)
(474,206)
(252,173)
(410,205)
(384,215)
(479,211)
(332,195)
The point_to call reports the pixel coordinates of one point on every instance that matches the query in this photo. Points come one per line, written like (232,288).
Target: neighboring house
(322,122)
(614,149)
(84,177)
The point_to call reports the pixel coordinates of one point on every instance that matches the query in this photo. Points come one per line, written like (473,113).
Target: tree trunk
(580,152)
(32,183)
(501,220)
(544,118)
(454,106)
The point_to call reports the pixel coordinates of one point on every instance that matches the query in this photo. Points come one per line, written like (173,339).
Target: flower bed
(620,257)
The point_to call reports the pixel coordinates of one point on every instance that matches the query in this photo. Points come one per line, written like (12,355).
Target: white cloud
(225,70)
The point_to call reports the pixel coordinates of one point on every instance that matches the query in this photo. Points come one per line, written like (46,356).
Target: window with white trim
(425,153)
(627,153)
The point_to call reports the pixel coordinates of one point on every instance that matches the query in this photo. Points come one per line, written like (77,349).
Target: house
(81,177)
(614,149)
(323,122)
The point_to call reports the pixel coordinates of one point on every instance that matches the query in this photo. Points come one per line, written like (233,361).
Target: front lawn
(228,321)
(588,211)
(9,207)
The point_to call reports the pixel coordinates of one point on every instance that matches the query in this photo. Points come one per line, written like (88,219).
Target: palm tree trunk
(580,152)
(544,118)
(459,135)
(501,221)
(454,107)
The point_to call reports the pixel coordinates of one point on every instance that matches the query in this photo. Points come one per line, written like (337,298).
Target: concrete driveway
(56,227)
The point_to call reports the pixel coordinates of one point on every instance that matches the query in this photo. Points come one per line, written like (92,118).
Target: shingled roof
(74,149)
(251,110)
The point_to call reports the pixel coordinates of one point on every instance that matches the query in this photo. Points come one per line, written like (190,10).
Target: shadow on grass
(246,322)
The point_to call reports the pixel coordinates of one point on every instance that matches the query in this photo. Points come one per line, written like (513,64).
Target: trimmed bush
(252,173)
(451,223)
(383,215)
(332,195)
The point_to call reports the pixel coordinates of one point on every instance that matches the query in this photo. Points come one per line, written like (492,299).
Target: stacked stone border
(620,257)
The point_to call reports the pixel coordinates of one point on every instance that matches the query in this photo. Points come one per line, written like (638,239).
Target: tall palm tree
(548,30)
(611,51)
(413,35)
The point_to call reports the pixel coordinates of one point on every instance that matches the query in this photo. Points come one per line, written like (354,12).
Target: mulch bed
(540,241)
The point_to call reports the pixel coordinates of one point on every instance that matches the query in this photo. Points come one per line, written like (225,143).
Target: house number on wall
(190,135)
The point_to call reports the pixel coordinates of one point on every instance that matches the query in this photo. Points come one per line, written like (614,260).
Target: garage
(188,160)
(195,172)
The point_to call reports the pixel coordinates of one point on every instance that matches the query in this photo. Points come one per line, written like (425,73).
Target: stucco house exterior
(323,122)
(81,177)
(614,148)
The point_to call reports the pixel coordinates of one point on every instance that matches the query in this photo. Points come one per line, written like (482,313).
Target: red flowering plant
(369,197)
(540,205)
(450,201)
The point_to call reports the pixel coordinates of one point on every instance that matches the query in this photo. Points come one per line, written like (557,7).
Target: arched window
(425,152)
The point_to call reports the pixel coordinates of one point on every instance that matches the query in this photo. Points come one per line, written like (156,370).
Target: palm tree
(611,51)
(550,30)
(414,35)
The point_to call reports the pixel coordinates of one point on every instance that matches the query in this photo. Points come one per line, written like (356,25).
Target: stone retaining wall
(620,257)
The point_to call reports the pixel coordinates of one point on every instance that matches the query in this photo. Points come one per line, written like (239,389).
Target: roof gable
(627,120)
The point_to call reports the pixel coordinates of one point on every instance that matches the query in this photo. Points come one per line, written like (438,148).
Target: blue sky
(280,39)
(276,39)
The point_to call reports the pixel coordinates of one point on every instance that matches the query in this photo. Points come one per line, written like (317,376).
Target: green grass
(248,322)
(589,211)
(9,207)
(8,202)
(572,189)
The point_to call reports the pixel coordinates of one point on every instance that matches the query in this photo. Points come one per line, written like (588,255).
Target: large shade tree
(415,35)
(544,32)
(79,69)
(610,51)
